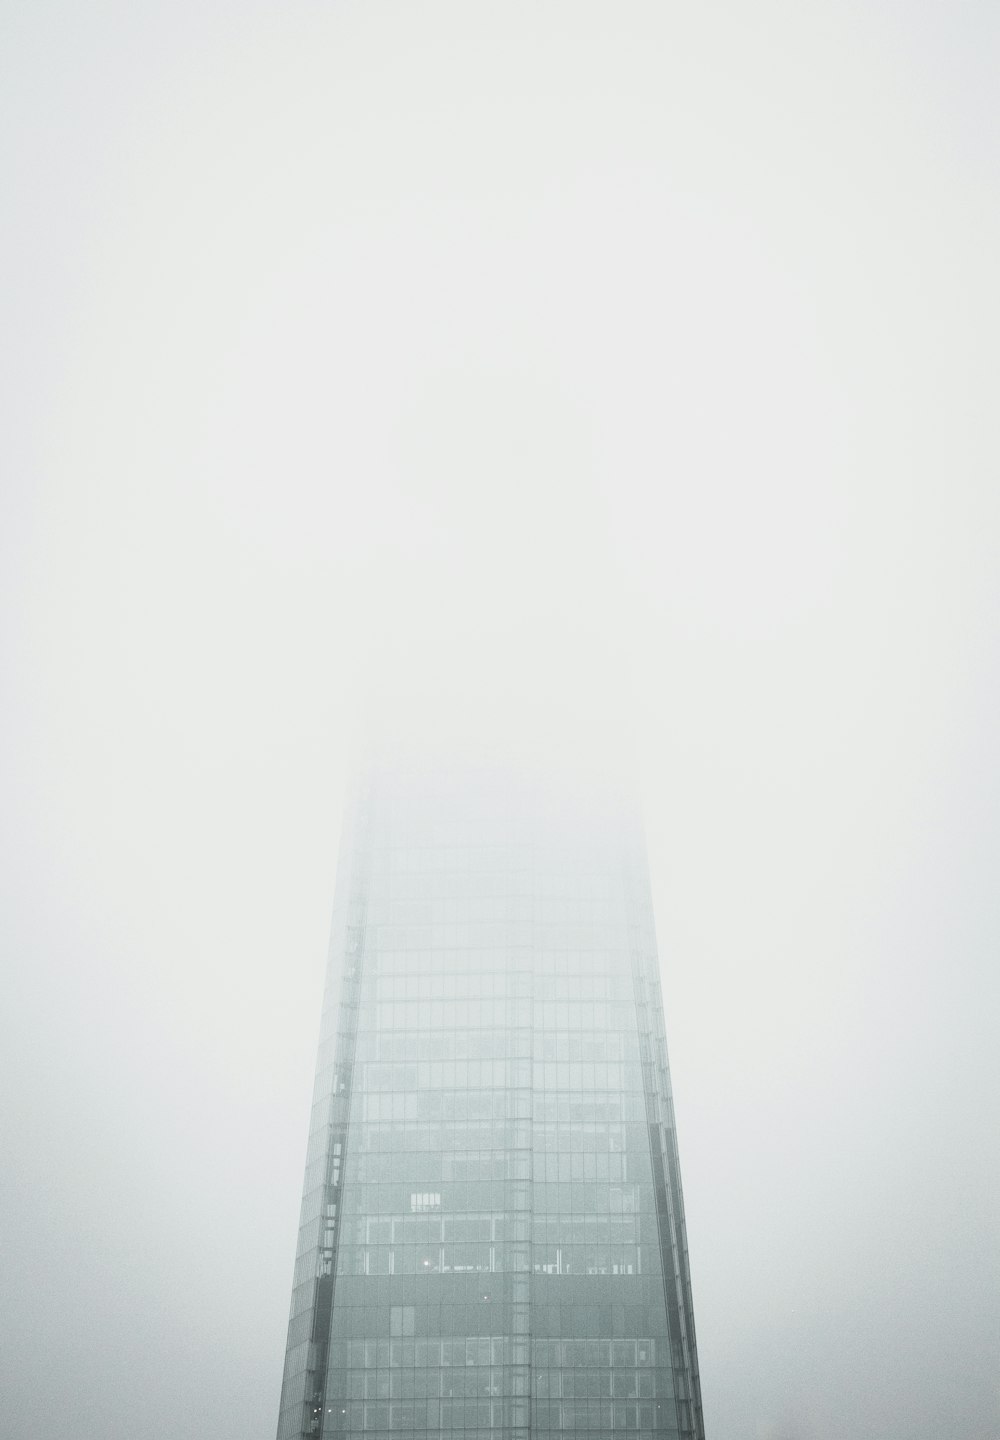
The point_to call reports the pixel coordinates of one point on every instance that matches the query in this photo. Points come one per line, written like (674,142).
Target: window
(424,1201)
(401,1319)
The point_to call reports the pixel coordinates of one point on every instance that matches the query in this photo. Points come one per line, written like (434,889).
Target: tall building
(492,1234)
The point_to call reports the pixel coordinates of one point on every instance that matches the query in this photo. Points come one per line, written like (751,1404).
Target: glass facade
(492,1235)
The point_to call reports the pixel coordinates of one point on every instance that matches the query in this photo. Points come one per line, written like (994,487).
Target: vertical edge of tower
(303,1384)
(663,1142)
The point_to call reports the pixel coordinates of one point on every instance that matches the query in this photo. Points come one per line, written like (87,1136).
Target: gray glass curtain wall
(492,1233)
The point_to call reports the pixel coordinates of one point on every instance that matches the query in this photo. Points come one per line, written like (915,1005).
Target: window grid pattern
(498,1259)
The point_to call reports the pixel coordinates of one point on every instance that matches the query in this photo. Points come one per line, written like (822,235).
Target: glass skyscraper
(492,1234)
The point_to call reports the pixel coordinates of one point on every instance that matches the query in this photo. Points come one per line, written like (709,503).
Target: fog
(611,382)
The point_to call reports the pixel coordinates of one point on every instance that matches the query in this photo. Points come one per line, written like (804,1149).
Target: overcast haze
(619,377)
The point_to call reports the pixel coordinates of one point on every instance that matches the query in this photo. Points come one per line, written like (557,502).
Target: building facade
(492,1233)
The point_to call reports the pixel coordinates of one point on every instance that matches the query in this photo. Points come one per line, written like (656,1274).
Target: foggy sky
(618,381)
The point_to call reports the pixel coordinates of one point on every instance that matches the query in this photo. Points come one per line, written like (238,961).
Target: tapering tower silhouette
(492,1235)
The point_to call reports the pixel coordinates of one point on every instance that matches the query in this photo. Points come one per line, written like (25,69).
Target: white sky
(587,370)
